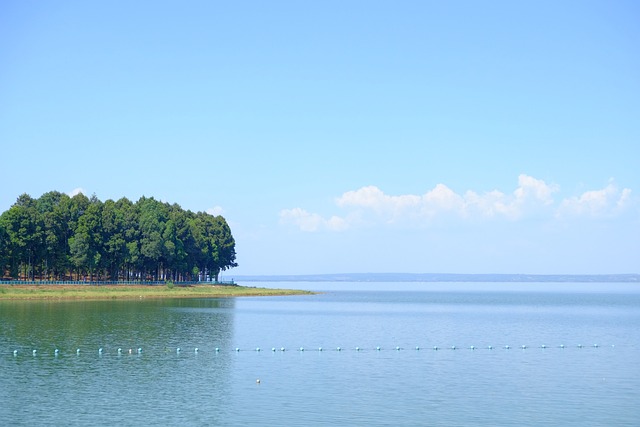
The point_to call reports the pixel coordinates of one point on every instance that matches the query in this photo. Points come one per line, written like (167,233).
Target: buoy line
(119,351)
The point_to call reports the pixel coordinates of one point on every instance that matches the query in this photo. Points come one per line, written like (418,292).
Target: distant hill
(444,277)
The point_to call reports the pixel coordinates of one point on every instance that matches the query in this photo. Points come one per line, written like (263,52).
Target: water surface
(579,365)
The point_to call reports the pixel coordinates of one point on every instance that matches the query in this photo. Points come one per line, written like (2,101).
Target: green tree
(51,206)
(4,248)
(153,216)
(24,227)
(57,236)
(131,233)
(113,237)
(86,243)
(220,245)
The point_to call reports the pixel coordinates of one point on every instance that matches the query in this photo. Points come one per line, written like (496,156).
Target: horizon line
(446,277)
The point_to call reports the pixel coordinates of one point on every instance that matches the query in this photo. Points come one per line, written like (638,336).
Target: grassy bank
(84,292)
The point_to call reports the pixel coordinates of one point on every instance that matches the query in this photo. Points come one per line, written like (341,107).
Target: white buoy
(319,348)
(139,350)
(490,347)
(506,347)
(217,349)
(378,348)
(523,347)
(544,346)
(301,348)
(119,351)
(281,348)
(595,345)
(561,345)
(130,351)
(257,348)
(339,349)
(435,347)
(417,348)
(100,350)
(472,348)
(579,345)
(34,352)
(453,347)
(178,350)
(15,352)
(77,351)
(237,349)
(258,381)
(357,348)
(195,350)
(56,351)
(273,349)
(397,348)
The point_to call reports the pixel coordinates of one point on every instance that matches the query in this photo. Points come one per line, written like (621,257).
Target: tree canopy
(60,237)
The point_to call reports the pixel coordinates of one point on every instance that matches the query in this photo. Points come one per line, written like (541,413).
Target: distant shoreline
(445,277)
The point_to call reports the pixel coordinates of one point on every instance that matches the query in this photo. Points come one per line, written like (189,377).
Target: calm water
(163,386)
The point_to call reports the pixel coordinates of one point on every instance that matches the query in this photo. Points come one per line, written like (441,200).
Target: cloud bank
(532,198)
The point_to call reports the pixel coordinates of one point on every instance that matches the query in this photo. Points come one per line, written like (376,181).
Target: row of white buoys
(196,350)
(417,348)
(56,351)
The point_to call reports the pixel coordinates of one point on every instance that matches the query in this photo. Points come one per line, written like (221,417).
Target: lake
(357,354)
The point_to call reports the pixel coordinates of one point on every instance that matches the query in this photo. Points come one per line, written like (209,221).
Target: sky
(342,136)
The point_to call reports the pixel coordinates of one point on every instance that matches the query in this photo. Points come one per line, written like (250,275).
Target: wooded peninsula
(58,237)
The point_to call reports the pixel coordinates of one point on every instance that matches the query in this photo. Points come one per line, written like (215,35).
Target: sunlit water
(405,382)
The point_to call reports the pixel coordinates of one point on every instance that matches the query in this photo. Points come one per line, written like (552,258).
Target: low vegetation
(105,292)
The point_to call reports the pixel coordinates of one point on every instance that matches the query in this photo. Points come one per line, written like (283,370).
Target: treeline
(57,237)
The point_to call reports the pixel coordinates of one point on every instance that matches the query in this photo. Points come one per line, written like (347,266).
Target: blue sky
(342,136)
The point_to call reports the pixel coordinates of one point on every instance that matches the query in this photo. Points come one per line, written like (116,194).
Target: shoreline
(121,292)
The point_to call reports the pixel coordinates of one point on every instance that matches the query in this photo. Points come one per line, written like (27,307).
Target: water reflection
(90,325)
(82,387)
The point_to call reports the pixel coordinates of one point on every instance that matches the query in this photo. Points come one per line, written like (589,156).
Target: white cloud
(307,221)
(76,191)
(215,211)
(606,202)
(372,198)
(488,205)
(532,197)
(442,200)
(536,189)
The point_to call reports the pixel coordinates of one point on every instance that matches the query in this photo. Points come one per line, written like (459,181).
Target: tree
(113,237)
(23,227)
(153,217)
(52,208)
(4,248)
(219,244)
(86,243)
(131,234)
(57,236)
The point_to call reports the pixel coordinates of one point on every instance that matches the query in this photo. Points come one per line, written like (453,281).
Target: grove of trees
(58,237)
